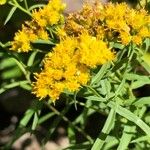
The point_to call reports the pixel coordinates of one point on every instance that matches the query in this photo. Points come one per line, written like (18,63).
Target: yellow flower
(137,39)
(57,5)
(144,32)
(2,2)
(136,19)
(93,52)
(42,34)
(41,88)
(125,38)
(62,71)
(38,16)
(61,33)
(68,66)
(22,40)
(50,14)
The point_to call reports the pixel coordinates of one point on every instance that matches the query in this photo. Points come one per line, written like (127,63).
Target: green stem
(12,85)
(22,68)
(69,122)
(92,107)
(98,144)
(20,7)
(90,88)
(129,132)
(26,4)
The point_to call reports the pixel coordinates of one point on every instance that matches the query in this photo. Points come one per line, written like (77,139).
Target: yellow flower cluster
(68,66)
(111,22)
(35,29)
(22,40)
(51,14)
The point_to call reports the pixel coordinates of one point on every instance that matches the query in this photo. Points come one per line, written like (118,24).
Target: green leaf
(140,83)
(36,6)
(7,44)
(120,87)
(91,89)
(13,9)
(130,116)
(98,144)
(146,58)
(26,87)
(20,65)
(46,117)
(141,139)
(12,85)
(116,45)
(79,147)
(71,135)
(6,63)
(147,43)
(145,65)
(11,73)
(100,74)
(128,133)
(132,76)
(137,80)
(31,58)
(25,120)
(119,64)
(142,101)
(43,42)
(96,98)
(35,121)
(110,143)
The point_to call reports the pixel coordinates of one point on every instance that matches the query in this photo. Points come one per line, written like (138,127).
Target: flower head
(51,14)
(68,66)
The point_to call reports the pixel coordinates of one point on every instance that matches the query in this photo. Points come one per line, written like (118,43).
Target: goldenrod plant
(93,58)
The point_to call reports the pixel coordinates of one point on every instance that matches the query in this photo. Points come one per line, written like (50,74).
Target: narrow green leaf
(119,64)
(7,44)
(128,133)
(36,6)
(12,85)
(98,144)
(7,62)
(141,139)
(71,135)
(25,120)
(100,74)
(132,76)
(145,65)
(13,9)
(147,43)
(43,42)
(130,116)
(13,72)
(20,65)
(120,88)
(142,101)
(79,147)
(46,117)
(90,88)
(110,143)
(31,58)
(140,83)
(35,121)
(116,45)
(96,98)
(26,87)
(146,58)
